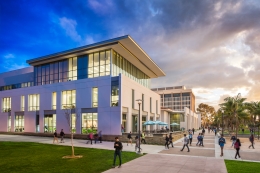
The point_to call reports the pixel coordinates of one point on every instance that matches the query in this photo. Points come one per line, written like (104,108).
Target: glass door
(49,123)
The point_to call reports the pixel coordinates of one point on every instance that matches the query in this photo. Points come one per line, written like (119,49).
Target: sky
(211,46)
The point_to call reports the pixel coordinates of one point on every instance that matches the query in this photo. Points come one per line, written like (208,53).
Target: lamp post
(139,101)
(222,122)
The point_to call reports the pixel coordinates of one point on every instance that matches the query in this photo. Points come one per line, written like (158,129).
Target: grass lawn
(242,167)
(35,157)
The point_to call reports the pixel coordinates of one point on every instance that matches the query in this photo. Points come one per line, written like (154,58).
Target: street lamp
(139,101)
(222,122)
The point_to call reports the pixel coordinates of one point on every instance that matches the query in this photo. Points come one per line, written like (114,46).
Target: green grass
(247,131)
(242,167)
(35,157)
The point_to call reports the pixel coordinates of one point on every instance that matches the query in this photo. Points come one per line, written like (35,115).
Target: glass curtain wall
(176,118)
(123,66)
(34,102)
(143,121)
(68,99)
(19,123)
(6,104)
(22,103)
(94,97)
(89,123)
(49,123)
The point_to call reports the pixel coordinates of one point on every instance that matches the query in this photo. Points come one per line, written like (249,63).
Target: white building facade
(99,83)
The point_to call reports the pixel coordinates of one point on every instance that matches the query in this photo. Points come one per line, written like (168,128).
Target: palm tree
(253,109)
(234,110)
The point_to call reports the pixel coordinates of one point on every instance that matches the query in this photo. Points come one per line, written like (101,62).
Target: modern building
(178,106)
(98,83)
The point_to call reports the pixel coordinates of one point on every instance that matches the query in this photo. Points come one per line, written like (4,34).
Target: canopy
(157,122)
(163,123)
(148,123)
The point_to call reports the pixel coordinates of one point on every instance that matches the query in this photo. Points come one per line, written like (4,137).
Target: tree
(234,109)
(207,112)
(72,114)
(253,109)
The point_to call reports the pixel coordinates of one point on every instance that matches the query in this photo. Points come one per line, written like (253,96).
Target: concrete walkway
(199,159)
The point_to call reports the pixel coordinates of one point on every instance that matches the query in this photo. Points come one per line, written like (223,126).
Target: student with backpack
(237,147)
(118,149)
(185,143)
(129,136)
(221,143)
(198,138)
(251,139)
(233,139)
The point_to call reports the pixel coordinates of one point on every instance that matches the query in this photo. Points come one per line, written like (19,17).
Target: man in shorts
(221,143)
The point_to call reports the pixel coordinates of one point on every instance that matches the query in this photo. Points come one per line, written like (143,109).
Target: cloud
(69,26)
(9,62)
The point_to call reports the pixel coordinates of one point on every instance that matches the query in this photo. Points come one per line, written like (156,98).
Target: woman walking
(237,147)
(167,141)
(251,139)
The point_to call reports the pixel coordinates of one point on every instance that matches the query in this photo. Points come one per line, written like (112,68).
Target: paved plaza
(158,159)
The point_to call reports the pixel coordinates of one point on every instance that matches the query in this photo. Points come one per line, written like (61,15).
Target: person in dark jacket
(118,149)
(237,147)
(233,139)
(55,137)
(170,139)
(167,141)
(251,139)
(62,136)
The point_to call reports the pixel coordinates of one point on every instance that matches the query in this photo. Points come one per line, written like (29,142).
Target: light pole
(139,101)
(222,122)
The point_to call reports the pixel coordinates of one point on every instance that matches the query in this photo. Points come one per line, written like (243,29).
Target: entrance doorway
(19,123)
(49,123)
(124,122)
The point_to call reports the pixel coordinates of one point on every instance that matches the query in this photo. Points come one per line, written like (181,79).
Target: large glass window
(82,67)
(143,121)
(122,65)
(49,123)
(114,93)
(99,64)
(19,123)
(22,103)
(124,121)
(34,102)
(54,100)
(6,104)
(72,72)
(68,99)
(95,97)
(89,123)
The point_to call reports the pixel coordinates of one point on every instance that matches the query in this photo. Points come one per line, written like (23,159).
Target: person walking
(198,138)
(62,136)
(90,137)
(215,130)
(100,136)
(201,140)
(137,143)
(55,137)
(221,143)
(237,147)
(170,139)
(129,136)
(190,138)
(185,143)
(118,149)
(193,130)
(166,142)
(251,139)
(203,131)
(233,139)
(143,138)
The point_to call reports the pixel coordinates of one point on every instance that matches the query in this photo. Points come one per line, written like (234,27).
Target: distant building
(178,106)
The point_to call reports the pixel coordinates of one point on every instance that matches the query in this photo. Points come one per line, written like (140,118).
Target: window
(124,122)
(9,123)
(143,121)
(49,123)
(156,106)
(6,104)
(89,123)
(19,123)
(99,64)
(34,102)
(123,66)
(94,97)
(68,99)
(114,93)
(82,67)
(142,102)
(22,103)
(72,72)
(133,98)
(54,100)
(150,104)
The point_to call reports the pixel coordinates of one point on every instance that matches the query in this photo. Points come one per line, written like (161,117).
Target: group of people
(95,137)
(137,144)
(55,136)
(235,143)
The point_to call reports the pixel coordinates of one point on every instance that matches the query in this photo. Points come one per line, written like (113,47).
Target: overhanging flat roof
(124,45)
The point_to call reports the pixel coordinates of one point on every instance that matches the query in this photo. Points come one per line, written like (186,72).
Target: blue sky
(211,46)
